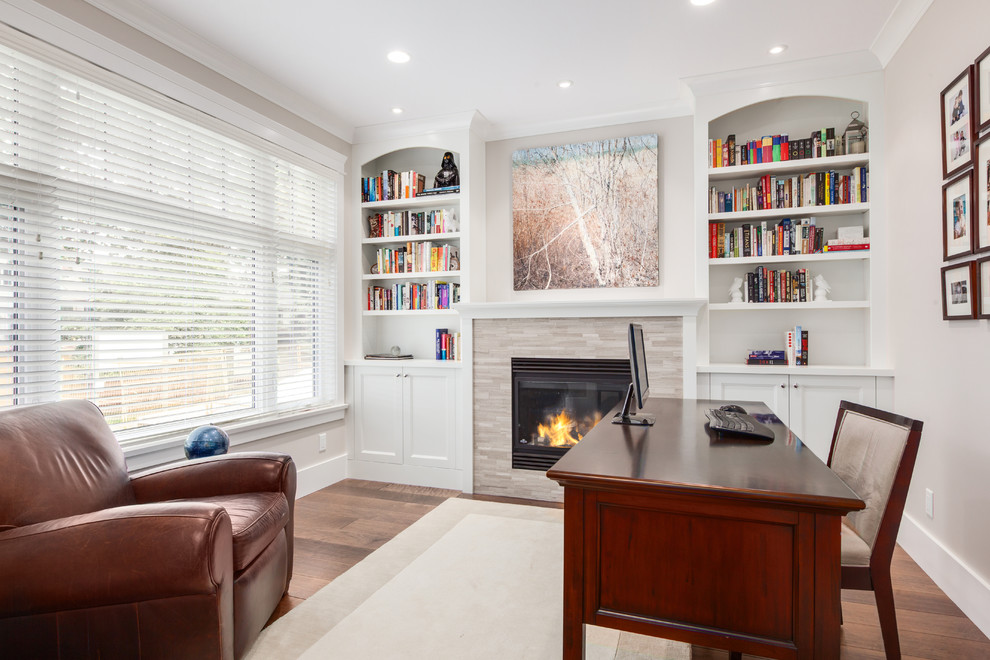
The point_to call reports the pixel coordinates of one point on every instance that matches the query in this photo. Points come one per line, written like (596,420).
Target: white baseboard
(968,591)
(313,478)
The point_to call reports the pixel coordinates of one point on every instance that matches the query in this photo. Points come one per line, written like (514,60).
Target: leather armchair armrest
(120,555)
(229,474)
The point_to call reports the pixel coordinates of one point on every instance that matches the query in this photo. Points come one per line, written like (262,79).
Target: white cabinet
(405,417)
(806,403)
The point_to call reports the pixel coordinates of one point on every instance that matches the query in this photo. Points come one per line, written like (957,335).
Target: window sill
(240,433)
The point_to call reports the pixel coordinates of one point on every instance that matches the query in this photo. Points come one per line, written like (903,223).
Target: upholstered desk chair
(186,561)
(874,452)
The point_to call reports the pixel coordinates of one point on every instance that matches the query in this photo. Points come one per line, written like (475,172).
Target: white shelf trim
(796,211)
(409,312)
(806,165)
(839,255)
(429,274)
(439,201)
(746,307)
(579,309)
(810,370)
(412,238)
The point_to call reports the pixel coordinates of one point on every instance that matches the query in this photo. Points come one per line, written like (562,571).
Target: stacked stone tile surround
(496,341)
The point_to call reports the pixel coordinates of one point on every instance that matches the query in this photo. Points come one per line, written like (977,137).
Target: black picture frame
(957,124)
(959,291)
(957,216)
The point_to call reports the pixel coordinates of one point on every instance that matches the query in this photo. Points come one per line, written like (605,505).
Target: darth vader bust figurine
(448,175)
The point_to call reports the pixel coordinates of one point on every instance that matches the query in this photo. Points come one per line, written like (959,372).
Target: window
(165,271)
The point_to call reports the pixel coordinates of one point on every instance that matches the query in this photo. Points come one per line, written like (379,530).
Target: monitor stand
(632,419)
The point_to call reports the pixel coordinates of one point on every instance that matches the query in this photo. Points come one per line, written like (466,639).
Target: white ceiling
(325,60)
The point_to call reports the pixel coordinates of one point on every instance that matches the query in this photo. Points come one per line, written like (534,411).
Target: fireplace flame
(561,430)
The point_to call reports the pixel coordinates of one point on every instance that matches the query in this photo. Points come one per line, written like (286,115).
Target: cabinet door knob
(407,376)
(795,385)
(397,375)
(783,385)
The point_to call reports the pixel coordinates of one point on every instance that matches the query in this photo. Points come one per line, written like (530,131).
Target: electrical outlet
(323,442)
(930,502)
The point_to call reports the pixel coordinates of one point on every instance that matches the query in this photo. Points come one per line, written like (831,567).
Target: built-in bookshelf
(769,226)
(411,256)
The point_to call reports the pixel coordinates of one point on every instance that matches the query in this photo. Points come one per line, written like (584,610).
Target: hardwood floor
(340,525)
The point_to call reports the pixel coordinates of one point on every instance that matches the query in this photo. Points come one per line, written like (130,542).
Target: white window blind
(163,270)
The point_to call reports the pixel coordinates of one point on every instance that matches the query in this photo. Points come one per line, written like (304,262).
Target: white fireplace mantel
(684,307)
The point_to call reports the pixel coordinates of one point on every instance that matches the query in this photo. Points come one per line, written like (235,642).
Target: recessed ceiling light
(397,110)
(398,56)
(778,49)
(564,84)
(701,3)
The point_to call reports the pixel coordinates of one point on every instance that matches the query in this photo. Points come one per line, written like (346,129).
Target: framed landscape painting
(958,295)
(957,124)
(586,215)
(957,214)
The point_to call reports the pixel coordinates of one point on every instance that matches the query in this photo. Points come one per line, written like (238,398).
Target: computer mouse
(731,407)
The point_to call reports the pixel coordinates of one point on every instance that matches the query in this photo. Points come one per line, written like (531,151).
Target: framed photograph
(982,95)
(958,294)
(957,124)
(982,276)
(957,216)
(981,196)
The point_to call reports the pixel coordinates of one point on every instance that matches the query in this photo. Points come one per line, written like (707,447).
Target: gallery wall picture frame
(957,216)
(958,294)
(981,196)
(957,124)
(982,95)
(982,275)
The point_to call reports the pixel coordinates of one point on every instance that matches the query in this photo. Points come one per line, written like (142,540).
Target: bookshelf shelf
(406,277)
(788,167)
(410,312)
(414,238)
(413,203)
(826,257)
(795,212)
(760,307)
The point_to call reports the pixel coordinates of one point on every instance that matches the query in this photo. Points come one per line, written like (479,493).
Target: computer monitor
(639,388)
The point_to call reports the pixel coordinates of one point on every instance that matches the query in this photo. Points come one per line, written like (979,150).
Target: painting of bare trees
(585,215)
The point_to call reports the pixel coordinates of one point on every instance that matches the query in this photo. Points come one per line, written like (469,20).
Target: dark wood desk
(672,532)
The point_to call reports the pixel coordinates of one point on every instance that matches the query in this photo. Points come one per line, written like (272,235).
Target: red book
(850,246)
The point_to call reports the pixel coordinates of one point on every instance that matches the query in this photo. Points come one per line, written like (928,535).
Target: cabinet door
(771,389)
(429,404)
(814,404)
(378,422)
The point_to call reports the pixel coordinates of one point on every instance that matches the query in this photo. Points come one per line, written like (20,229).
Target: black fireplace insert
(555,402)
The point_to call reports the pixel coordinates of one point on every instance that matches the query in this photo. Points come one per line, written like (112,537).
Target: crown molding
(899,25)
(818,68)
(174,35)
(471,121)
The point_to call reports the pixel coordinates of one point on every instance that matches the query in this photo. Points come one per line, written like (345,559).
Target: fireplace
(555,402)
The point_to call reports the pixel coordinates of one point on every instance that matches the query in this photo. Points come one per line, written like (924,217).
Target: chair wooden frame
(876,576)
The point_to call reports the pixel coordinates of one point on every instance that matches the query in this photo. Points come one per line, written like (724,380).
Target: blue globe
(206,441)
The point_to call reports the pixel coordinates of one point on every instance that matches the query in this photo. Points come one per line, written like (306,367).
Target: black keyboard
(726,421)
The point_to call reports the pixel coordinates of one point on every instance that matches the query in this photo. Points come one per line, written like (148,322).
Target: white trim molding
(960,583)
(899,25)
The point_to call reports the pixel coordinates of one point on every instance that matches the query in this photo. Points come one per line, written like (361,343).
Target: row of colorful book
(411,223)
(448,345)
(811,189)
(392,185)
(771,149)
(760,240)
(766,285)
(795,351)
(413,295)
(420,257)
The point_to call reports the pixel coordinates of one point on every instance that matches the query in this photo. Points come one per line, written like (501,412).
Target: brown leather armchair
(186,561)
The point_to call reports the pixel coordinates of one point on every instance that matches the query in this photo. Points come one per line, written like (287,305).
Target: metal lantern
(854,137)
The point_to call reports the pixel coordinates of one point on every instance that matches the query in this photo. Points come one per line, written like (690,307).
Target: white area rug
(468,581)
